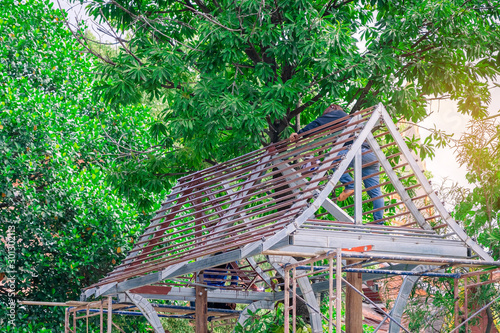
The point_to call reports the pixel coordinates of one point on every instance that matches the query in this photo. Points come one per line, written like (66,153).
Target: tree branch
(361,99)
(202,6)
(145,20)
(328,6)
(419,51)
(287,72)
(252,53)
(208,17)
(329,75)
(301,108)
(424,36)
(342,4)
(98,55)
(119,39)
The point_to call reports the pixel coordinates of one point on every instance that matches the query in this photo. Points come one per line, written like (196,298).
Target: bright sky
(76,13)
(446,117)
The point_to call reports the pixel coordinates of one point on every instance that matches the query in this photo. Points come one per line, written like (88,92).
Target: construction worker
(331,114)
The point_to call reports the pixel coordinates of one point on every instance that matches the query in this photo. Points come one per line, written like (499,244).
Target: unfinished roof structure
(250,216)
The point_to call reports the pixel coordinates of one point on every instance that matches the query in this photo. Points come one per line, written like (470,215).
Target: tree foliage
(193,84)
(478,149)
(229,76)
(61,226)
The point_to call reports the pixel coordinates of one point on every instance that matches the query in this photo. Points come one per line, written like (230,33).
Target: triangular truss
(281,199)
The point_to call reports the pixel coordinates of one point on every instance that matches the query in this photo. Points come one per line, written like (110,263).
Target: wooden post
(87,312)
(338,289)
(201,310)
(358,199)
(330,295)
(74,321)
(66,320)
(287,301)
(101,323)
(110,315)
(466,305)
(354,303)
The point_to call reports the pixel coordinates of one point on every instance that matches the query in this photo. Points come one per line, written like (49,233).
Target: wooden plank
(66,321)
(338,289)
(292,253)
(101,317)
(375,227)
(314,226)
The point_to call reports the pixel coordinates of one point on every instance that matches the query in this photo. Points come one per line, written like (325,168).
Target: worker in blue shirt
(217,276)
(335,112)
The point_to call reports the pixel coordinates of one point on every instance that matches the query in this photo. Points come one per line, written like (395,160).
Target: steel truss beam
(244,316)
(402,299)
(147,310)
(430,192)
(397,183)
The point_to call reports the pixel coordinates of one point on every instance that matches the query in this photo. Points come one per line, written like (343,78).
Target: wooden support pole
(354,303)
(201,310)
(466,305)
(66,320)
(338,289)
(87,312)
(287,301)
(101,320)
(110,315)
(330,295)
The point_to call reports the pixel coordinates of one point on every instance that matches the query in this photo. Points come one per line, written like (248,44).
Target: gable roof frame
(175,270)
(269,157)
